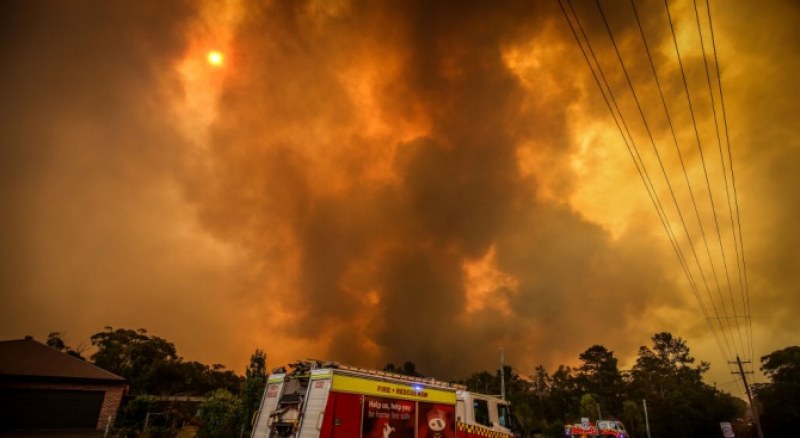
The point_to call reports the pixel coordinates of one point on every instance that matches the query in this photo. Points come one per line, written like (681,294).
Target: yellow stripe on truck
(379,388)
(322,374)
(480,431)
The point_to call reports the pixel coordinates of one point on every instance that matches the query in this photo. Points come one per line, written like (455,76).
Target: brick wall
(110,407)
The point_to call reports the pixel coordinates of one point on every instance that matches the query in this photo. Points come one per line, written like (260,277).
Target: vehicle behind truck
(603,428)
(325,400)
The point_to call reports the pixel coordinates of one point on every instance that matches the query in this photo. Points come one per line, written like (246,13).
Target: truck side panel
(342,418)
(313,415)
(271,395)
(435,420)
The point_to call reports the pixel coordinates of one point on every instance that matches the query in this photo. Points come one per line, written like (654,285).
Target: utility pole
(749,396)
(646,420)
(502,376)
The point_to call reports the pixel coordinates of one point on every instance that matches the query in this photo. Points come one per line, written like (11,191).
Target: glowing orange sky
(374,182)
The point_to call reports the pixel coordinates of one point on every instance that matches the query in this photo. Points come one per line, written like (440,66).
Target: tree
(407,368)
(564,396)
(666,366)
(782,366)
(152,366)
(632,417)
(599,376)
(780,398)
(55,341)
(254,384)
(588,407)
(483,382)
(541,382)
(539,397)
(682,404)
(147,362)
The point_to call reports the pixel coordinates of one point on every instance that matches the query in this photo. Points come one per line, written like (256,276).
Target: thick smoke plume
(371,182)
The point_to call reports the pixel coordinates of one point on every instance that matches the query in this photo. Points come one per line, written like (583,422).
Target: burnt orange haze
(385,181)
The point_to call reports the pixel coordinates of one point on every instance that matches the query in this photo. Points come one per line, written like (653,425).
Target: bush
(219,415)
(131,417)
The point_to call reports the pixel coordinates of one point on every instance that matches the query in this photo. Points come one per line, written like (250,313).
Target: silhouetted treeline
(224,402)
(679,403)
(665,374)
(151,365)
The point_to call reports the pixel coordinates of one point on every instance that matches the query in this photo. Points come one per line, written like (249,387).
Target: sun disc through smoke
(215,58)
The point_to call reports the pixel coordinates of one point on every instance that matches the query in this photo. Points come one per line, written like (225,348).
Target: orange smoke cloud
(367,183)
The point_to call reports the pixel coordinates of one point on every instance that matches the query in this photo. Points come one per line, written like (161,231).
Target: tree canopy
(152,366)
(782,365)
(56,341)
(599,376)
(407,368)
(780,399)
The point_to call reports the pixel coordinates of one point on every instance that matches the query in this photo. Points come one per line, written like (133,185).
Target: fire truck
(603,428)
(328,400)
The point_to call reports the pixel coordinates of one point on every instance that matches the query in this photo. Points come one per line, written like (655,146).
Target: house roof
(32,359)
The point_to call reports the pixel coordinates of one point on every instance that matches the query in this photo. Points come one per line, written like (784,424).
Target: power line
(702,156)
(640,167)
(724,172)
(725,323)
(671,127)
(745,290)
(663,170)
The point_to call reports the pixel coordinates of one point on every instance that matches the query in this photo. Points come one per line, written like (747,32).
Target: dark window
(481,410)
(503,416)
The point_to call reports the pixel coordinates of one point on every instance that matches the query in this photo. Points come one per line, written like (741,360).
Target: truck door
(269,402)
(500,417)
(342,418)
(315,404)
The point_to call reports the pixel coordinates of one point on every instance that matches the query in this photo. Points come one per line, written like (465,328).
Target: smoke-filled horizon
(374,182)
